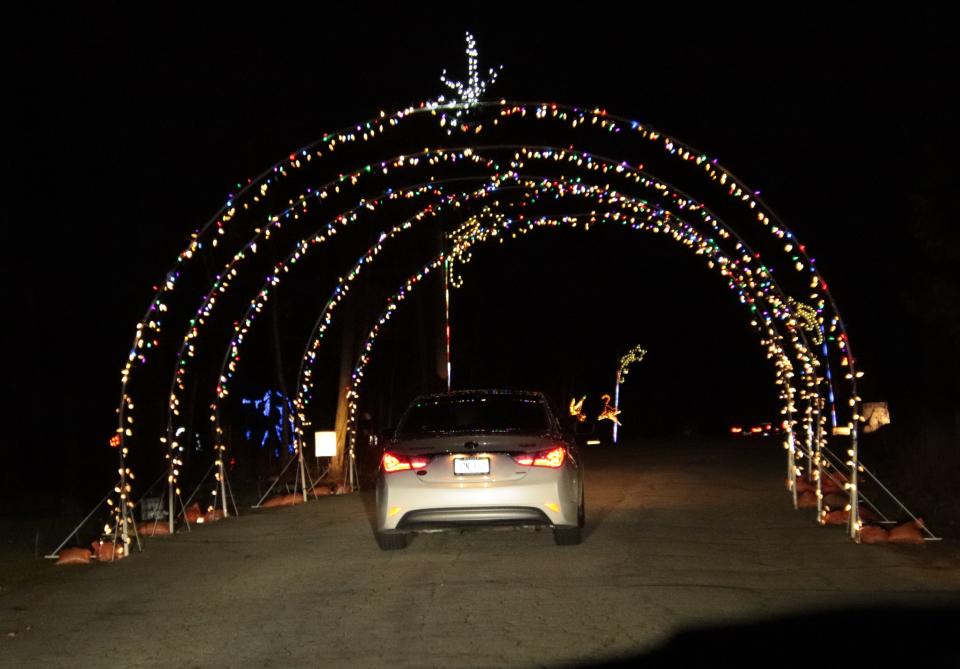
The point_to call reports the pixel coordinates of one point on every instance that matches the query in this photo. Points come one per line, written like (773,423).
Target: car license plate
(471,466)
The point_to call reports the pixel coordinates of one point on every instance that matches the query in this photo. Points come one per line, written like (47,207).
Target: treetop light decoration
(576,168)
(468,93)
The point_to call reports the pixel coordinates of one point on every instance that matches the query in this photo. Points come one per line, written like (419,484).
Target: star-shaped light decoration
(609,412)
(576,409)
(467,93)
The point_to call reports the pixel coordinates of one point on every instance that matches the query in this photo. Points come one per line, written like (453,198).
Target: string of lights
(820,320)
(482,233)
(282,266)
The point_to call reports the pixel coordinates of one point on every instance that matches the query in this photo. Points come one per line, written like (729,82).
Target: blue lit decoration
(273,409)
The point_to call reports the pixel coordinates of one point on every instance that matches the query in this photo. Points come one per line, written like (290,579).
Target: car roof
(478,392)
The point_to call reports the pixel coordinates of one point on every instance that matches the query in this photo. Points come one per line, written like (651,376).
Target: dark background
(126,130)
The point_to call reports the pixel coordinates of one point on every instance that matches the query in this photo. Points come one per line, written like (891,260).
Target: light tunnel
(541,186)
(479,155)
(630,207)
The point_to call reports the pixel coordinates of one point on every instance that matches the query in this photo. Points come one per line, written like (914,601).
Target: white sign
(325,444)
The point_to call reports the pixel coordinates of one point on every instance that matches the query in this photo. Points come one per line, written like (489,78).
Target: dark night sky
(128,130)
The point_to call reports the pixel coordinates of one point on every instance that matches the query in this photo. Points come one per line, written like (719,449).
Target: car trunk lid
(483,459)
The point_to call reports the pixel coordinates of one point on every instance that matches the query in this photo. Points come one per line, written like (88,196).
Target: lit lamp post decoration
(635,354)
(820,417)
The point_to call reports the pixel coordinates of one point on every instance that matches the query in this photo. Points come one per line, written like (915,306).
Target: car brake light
(551,458)
(393,462)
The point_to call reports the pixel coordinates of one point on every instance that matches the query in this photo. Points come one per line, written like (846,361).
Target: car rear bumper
(404,503)
(492,515)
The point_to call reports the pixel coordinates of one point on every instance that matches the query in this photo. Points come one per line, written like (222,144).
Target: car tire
(567,536)
(392,541)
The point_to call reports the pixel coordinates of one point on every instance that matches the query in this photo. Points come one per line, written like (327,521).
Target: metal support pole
(54,554)
(233,500)
(274,484)
(616,405)
(124,508)
(446,309)
(222,472)
(819,457)
(930,535)
(791,462)
(352,479)
(854,520)
(303,473)
(183,504)
(170,493)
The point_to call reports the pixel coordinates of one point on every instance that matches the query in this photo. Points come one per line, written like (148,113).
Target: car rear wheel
(392,541)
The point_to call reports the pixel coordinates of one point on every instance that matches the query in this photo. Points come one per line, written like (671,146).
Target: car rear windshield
(475,413)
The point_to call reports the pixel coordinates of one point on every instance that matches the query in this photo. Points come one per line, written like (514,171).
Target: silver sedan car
(479,457)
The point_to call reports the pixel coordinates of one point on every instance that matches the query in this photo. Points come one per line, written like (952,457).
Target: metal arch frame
(170,278)
(347,134)
(302,246)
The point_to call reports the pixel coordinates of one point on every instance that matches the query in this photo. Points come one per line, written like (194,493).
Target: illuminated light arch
(606,164)
(623,216)
(338,293)
(258,302)
(374,128)
(220,286)
(221,283)
(724,230)
(255,190)
(700,245)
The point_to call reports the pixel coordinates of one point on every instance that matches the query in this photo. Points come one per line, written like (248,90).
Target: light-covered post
(634,355)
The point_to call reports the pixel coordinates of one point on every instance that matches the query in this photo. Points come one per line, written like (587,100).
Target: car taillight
(393,462)
(553,458)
